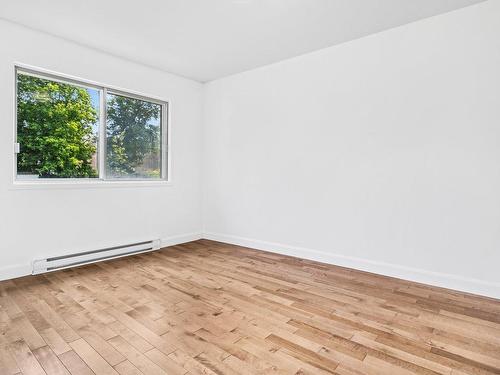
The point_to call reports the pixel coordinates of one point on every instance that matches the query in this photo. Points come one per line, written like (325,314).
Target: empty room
(274,187)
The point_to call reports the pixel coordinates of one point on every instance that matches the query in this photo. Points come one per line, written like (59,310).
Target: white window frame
(101,180)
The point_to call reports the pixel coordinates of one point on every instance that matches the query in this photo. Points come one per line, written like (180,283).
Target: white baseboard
(443,280)
(19,270)
(182,238)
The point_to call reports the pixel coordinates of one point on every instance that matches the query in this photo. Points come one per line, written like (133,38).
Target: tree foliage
(54,129)
(132,133)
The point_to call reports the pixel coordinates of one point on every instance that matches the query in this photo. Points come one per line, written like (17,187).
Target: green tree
(132,133)
(54,128)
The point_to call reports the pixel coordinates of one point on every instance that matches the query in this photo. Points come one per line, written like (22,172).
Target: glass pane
(57,129)
(133,138)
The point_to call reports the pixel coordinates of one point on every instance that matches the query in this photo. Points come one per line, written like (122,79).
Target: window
(133,137)
(67,129)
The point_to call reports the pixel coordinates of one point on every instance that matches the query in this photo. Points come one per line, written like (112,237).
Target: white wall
(44,222)
(382,153)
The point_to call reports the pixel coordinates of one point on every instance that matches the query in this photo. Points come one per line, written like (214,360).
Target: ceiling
(209,39)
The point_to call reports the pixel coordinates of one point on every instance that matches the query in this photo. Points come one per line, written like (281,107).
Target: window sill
(99,184)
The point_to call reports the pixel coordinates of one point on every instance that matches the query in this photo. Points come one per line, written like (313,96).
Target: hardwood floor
(212,308)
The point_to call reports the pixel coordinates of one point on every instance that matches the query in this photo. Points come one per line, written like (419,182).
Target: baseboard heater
(79,259)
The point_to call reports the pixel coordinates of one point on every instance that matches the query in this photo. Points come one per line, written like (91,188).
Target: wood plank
(135,357)
(25,358)
(49,361)
(93,360)
(8,365)
(166,363)
(75,364)
(127,368)
(54,341)
(303,354)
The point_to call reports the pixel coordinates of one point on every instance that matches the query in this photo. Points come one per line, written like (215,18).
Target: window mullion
(165,134)
(102,135)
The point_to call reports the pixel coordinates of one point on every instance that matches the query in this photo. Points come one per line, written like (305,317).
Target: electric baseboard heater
(79,259)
